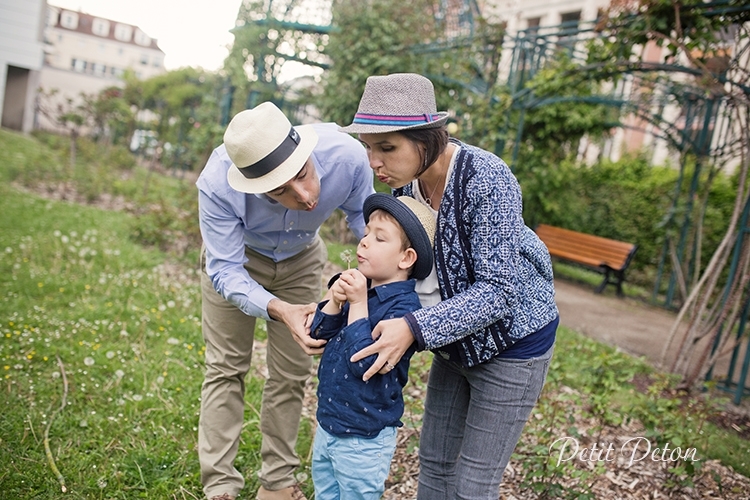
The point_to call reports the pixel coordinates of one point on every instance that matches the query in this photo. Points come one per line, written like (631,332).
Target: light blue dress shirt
(231,220)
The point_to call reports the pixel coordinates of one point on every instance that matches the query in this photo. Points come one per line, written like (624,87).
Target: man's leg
(297,281)
(228,333)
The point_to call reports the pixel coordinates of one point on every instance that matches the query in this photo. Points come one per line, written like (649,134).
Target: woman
(493,326)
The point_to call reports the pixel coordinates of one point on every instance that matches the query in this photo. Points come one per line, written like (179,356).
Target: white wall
(21,46)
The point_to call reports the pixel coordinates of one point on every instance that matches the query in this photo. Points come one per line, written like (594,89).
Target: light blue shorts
(352,467)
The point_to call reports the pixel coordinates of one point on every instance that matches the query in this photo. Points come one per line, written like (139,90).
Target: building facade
(86,54)
(21,57)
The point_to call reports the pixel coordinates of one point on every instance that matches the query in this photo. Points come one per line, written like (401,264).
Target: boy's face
(380,255)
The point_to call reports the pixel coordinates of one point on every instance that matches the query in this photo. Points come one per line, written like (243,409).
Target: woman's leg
(442,430)
(503,393)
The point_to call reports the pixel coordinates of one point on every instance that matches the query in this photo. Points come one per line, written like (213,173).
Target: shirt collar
(389,290)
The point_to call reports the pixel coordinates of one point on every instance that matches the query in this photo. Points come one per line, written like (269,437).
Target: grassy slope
(126,327)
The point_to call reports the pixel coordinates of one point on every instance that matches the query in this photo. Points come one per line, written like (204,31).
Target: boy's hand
(338,295)
(354,285)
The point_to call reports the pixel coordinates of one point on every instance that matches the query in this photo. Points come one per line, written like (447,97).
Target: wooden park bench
(610,257)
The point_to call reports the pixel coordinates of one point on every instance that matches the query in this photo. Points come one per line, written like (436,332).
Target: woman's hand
(393,338)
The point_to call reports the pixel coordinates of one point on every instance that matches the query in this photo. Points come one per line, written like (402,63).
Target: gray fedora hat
(400,101)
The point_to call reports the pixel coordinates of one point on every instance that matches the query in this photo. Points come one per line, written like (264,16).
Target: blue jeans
(473,419)
(351,467)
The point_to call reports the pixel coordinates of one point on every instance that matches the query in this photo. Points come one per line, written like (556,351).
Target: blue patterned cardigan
(495,274)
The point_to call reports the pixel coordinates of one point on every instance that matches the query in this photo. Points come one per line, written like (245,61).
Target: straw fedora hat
(417,222)
(400,101)
(266,151)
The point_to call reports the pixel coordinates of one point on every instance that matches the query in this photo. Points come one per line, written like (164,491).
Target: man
(263,195)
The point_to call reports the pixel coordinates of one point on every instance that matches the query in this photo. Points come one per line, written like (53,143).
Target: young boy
(357,420)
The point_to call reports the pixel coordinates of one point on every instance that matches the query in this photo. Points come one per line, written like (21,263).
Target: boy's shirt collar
(389,290)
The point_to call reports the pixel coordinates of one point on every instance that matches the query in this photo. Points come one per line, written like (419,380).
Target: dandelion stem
(47,450)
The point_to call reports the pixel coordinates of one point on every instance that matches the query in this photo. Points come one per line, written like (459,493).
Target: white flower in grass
(173,341)
(89,361)
(137,397)
(111,354)
(8,250)
(83,423)
(120,373)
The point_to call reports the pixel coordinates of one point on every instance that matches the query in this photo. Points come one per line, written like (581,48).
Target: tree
(70,114)
(709,41)
(371,37)
(268,35)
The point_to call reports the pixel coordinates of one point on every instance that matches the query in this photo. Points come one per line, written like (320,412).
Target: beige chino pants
(228,333)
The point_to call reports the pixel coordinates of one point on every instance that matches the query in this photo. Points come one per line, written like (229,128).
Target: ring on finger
(389,366)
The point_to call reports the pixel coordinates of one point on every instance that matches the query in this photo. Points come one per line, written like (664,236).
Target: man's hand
(393,339)
(295,317)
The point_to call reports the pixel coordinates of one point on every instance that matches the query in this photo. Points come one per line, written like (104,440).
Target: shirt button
(291,223)
(285,242)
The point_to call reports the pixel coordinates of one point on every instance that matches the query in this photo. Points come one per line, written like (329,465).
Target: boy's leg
(362,465)
(324,479)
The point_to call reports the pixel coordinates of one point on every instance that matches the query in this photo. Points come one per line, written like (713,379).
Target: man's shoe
(290,493)
(224,496)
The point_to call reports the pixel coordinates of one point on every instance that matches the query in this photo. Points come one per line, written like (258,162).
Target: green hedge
(627,200)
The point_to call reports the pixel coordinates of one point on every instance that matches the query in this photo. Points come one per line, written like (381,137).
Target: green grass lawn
(124,321)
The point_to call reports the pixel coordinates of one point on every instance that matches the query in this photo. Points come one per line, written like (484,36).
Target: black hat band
(275,158)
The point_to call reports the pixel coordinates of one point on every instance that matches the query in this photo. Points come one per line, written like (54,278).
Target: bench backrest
(586,248)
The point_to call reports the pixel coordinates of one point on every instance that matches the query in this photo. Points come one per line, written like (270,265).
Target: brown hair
(434,140)
(382,214)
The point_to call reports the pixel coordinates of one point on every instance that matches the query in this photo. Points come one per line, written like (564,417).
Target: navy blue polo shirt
(348,406)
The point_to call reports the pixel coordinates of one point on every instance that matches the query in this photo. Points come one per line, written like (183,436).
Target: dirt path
(635,327)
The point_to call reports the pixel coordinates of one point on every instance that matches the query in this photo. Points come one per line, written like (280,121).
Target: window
(142,39)
(78,65)
(144,59)
(571,18)
(69,20)
(98,69)
(100,27)
(123,32)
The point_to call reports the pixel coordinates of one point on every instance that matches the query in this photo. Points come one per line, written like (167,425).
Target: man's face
(301,192)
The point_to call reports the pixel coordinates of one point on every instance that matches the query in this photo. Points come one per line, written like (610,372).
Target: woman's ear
(408,258)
